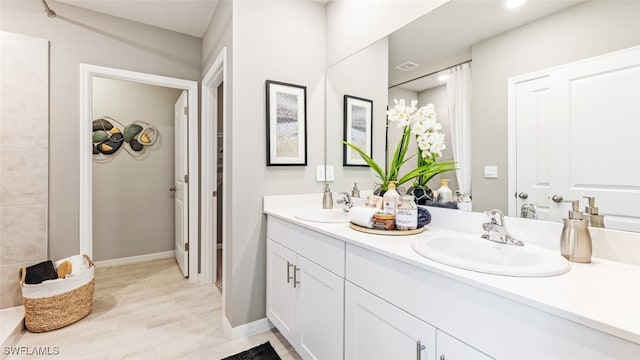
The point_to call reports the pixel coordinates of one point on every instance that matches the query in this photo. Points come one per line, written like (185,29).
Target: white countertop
(603,295)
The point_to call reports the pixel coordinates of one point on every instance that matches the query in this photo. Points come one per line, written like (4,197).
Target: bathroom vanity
(334,293)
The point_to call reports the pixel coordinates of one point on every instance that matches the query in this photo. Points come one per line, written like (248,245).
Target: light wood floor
(149,311)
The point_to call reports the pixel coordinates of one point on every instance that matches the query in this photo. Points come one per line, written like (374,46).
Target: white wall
(582,31)
(354,24)
(133,209)
(81,36)
(362,75)
(281,41)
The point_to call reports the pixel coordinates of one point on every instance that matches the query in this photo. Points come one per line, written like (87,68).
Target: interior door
(181,185)
(598,103)
(533,130)
(577,135)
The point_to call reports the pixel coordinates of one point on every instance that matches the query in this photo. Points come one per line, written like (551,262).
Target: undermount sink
(471,252)
(323,215)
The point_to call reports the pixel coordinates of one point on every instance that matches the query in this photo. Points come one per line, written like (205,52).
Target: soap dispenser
(591,213)
(575,241)
(327,197)
(355,192)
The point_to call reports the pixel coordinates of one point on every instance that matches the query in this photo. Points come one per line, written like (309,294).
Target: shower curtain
(459,96)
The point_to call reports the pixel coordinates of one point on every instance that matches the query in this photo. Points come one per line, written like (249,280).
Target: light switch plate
(491,172)
(331,174)
(320,173)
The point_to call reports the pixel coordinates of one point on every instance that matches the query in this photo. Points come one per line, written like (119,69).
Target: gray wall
(583,31)
(79,36)
(24,125)
(281,41)
(133,210)
(364,75)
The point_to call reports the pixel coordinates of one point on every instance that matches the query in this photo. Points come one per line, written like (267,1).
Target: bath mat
(260,352)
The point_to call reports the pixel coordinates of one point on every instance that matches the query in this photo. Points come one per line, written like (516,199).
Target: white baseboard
(135,259)
(249,329)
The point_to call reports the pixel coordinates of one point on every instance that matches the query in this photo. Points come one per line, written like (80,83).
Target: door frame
(87,72)
(215,75)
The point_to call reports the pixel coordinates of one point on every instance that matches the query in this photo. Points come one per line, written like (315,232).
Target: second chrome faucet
(496,231)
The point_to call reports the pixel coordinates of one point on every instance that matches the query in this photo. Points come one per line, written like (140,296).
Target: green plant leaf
(372,164)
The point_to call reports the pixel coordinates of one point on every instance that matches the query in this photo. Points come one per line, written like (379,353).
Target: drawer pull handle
(419,348)
(295,276)
(289,265)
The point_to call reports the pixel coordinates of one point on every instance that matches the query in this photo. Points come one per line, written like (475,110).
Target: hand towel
(78,264)
(362,216)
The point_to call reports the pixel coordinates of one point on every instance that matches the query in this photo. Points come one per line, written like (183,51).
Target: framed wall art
(286,124)
(358,117)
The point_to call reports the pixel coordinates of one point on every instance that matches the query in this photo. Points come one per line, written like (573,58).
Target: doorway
(219,182)
(87,73)
(133,210)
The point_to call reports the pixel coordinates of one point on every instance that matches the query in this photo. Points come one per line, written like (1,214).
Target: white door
(577,135)
(599,103)
(533,130)
(450,348)
(319,311)
(281,306)
(375,329)
(181,186)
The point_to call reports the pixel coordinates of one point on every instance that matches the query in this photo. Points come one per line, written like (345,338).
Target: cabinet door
(375,329)
(280,290)
(450,348)
(319,311)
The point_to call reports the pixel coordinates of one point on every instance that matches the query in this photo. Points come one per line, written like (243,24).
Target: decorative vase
(421,193)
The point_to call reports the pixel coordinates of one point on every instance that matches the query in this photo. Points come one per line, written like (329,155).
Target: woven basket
(56,304)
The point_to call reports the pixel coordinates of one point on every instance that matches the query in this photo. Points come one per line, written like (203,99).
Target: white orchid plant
(421,123)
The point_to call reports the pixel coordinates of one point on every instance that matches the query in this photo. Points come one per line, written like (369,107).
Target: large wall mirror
(496,44)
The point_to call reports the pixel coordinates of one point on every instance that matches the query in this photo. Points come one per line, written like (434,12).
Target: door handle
(289,265)
(523,195)
(172,189)
(419,348)
(557,198)
(295,276)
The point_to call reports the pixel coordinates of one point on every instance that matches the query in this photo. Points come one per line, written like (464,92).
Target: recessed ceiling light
(443,77)
(406,66)
(512,4)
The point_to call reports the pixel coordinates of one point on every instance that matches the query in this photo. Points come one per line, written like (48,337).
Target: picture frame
(358,121)
(286,112)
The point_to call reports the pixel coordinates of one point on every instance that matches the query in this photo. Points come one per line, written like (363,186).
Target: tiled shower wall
(24,158)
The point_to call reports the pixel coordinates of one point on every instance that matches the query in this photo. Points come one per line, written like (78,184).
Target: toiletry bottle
(327,198)
(463,200)
(575,241)
(390,199)
(444,192)
(355,192)
(591,213)
(407,213)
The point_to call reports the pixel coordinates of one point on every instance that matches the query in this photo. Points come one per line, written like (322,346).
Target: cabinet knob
(443,356)
(523,195)
(172,189)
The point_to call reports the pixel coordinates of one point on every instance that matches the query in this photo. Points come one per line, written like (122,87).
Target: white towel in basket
(78,264)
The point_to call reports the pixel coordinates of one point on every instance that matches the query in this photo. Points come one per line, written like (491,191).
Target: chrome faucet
(528,211)
(496,231)
(345,201)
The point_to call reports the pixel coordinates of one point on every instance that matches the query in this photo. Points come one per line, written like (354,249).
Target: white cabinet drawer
(325,251)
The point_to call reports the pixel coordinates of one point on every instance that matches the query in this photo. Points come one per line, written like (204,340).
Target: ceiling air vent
(406,66)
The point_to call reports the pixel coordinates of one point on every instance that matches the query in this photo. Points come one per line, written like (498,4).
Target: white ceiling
(189,17)
(444,37)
